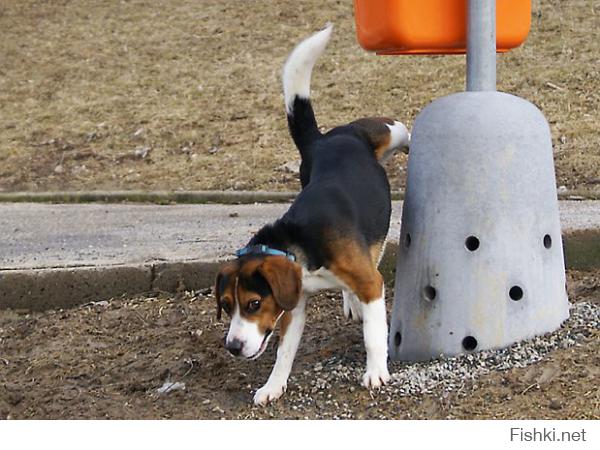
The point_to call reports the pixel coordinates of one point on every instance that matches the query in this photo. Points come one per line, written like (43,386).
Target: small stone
(142,152)
(14,398)
(195,335)
(555,404)
(170,387)
(290,167)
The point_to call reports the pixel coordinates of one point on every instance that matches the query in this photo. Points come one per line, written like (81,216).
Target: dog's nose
(234,346)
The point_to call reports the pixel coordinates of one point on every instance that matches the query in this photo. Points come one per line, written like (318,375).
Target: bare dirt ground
(107,360)
(185,94)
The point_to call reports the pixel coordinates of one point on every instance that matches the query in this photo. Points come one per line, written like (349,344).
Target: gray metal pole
(481,45)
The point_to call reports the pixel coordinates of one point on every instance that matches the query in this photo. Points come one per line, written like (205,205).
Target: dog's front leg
(375,335)
(289,338)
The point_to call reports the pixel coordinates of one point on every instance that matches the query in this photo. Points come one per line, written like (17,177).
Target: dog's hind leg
(356,269)
(352,308)
(377,251)
(292,326)
(375,335)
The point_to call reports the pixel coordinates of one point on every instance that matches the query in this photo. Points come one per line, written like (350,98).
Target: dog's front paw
(375,377)
(269,393)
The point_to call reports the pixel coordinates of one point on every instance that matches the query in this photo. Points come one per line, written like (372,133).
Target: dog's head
(255,291)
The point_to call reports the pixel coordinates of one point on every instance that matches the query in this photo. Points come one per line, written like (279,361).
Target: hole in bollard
(407,240)
(429,293)
(515,293)
(397,339)
(547,241)
(472,243)
(469,343)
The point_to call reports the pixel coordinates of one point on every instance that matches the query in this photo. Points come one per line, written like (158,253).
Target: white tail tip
(299,65)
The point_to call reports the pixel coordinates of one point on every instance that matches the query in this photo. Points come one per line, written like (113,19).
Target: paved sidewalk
(36,236)
(58,256)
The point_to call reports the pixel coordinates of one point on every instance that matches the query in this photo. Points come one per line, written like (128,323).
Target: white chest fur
(320,279)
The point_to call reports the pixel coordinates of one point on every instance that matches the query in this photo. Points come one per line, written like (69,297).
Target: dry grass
(196,85)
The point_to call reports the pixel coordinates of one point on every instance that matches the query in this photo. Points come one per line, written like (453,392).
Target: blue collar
(264,250)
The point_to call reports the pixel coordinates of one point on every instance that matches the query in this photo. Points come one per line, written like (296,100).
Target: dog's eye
(253,306)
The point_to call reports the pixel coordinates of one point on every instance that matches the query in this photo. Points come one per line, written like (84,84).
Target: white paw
(269,393)
(352,308)
(375,377)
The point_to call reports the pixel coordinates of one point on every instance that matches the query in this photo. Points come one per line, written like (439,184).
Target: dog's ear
(285,280)
(220,284)
(217,291)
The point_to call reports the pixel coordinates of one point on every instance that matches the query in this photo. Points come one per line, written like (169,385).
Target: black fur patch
(346,193)
(256,283)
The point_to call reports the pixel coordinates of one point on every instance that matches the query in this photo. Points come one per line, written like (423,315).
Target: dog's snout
(234,346)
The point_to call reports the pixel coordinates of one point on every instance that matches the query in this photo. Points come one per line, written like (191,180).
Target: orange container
(406,27)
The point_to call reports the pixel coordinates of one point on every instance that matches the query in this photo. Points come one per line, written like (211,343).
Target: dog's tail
(296,88)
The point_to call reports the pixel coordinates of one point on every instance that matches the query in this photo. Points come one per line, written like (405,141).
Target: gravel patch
(439,376)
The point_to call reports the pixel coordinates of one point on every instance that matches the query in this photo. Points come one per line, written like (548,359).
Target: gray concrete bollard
(480,263)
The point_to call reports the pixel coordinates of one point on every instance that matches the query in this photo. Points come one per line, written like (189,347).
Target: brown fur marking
(376,131)
(375,252)
(353,264)
(284,278)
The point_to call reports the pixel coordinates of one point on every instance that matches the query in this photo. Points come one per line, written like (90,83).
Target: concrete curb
(43,289)
(201,197)
(159,197)
(38,290)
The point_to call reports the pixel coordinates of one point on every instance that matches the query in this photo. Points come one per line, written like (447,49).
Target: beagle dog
(332,236)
